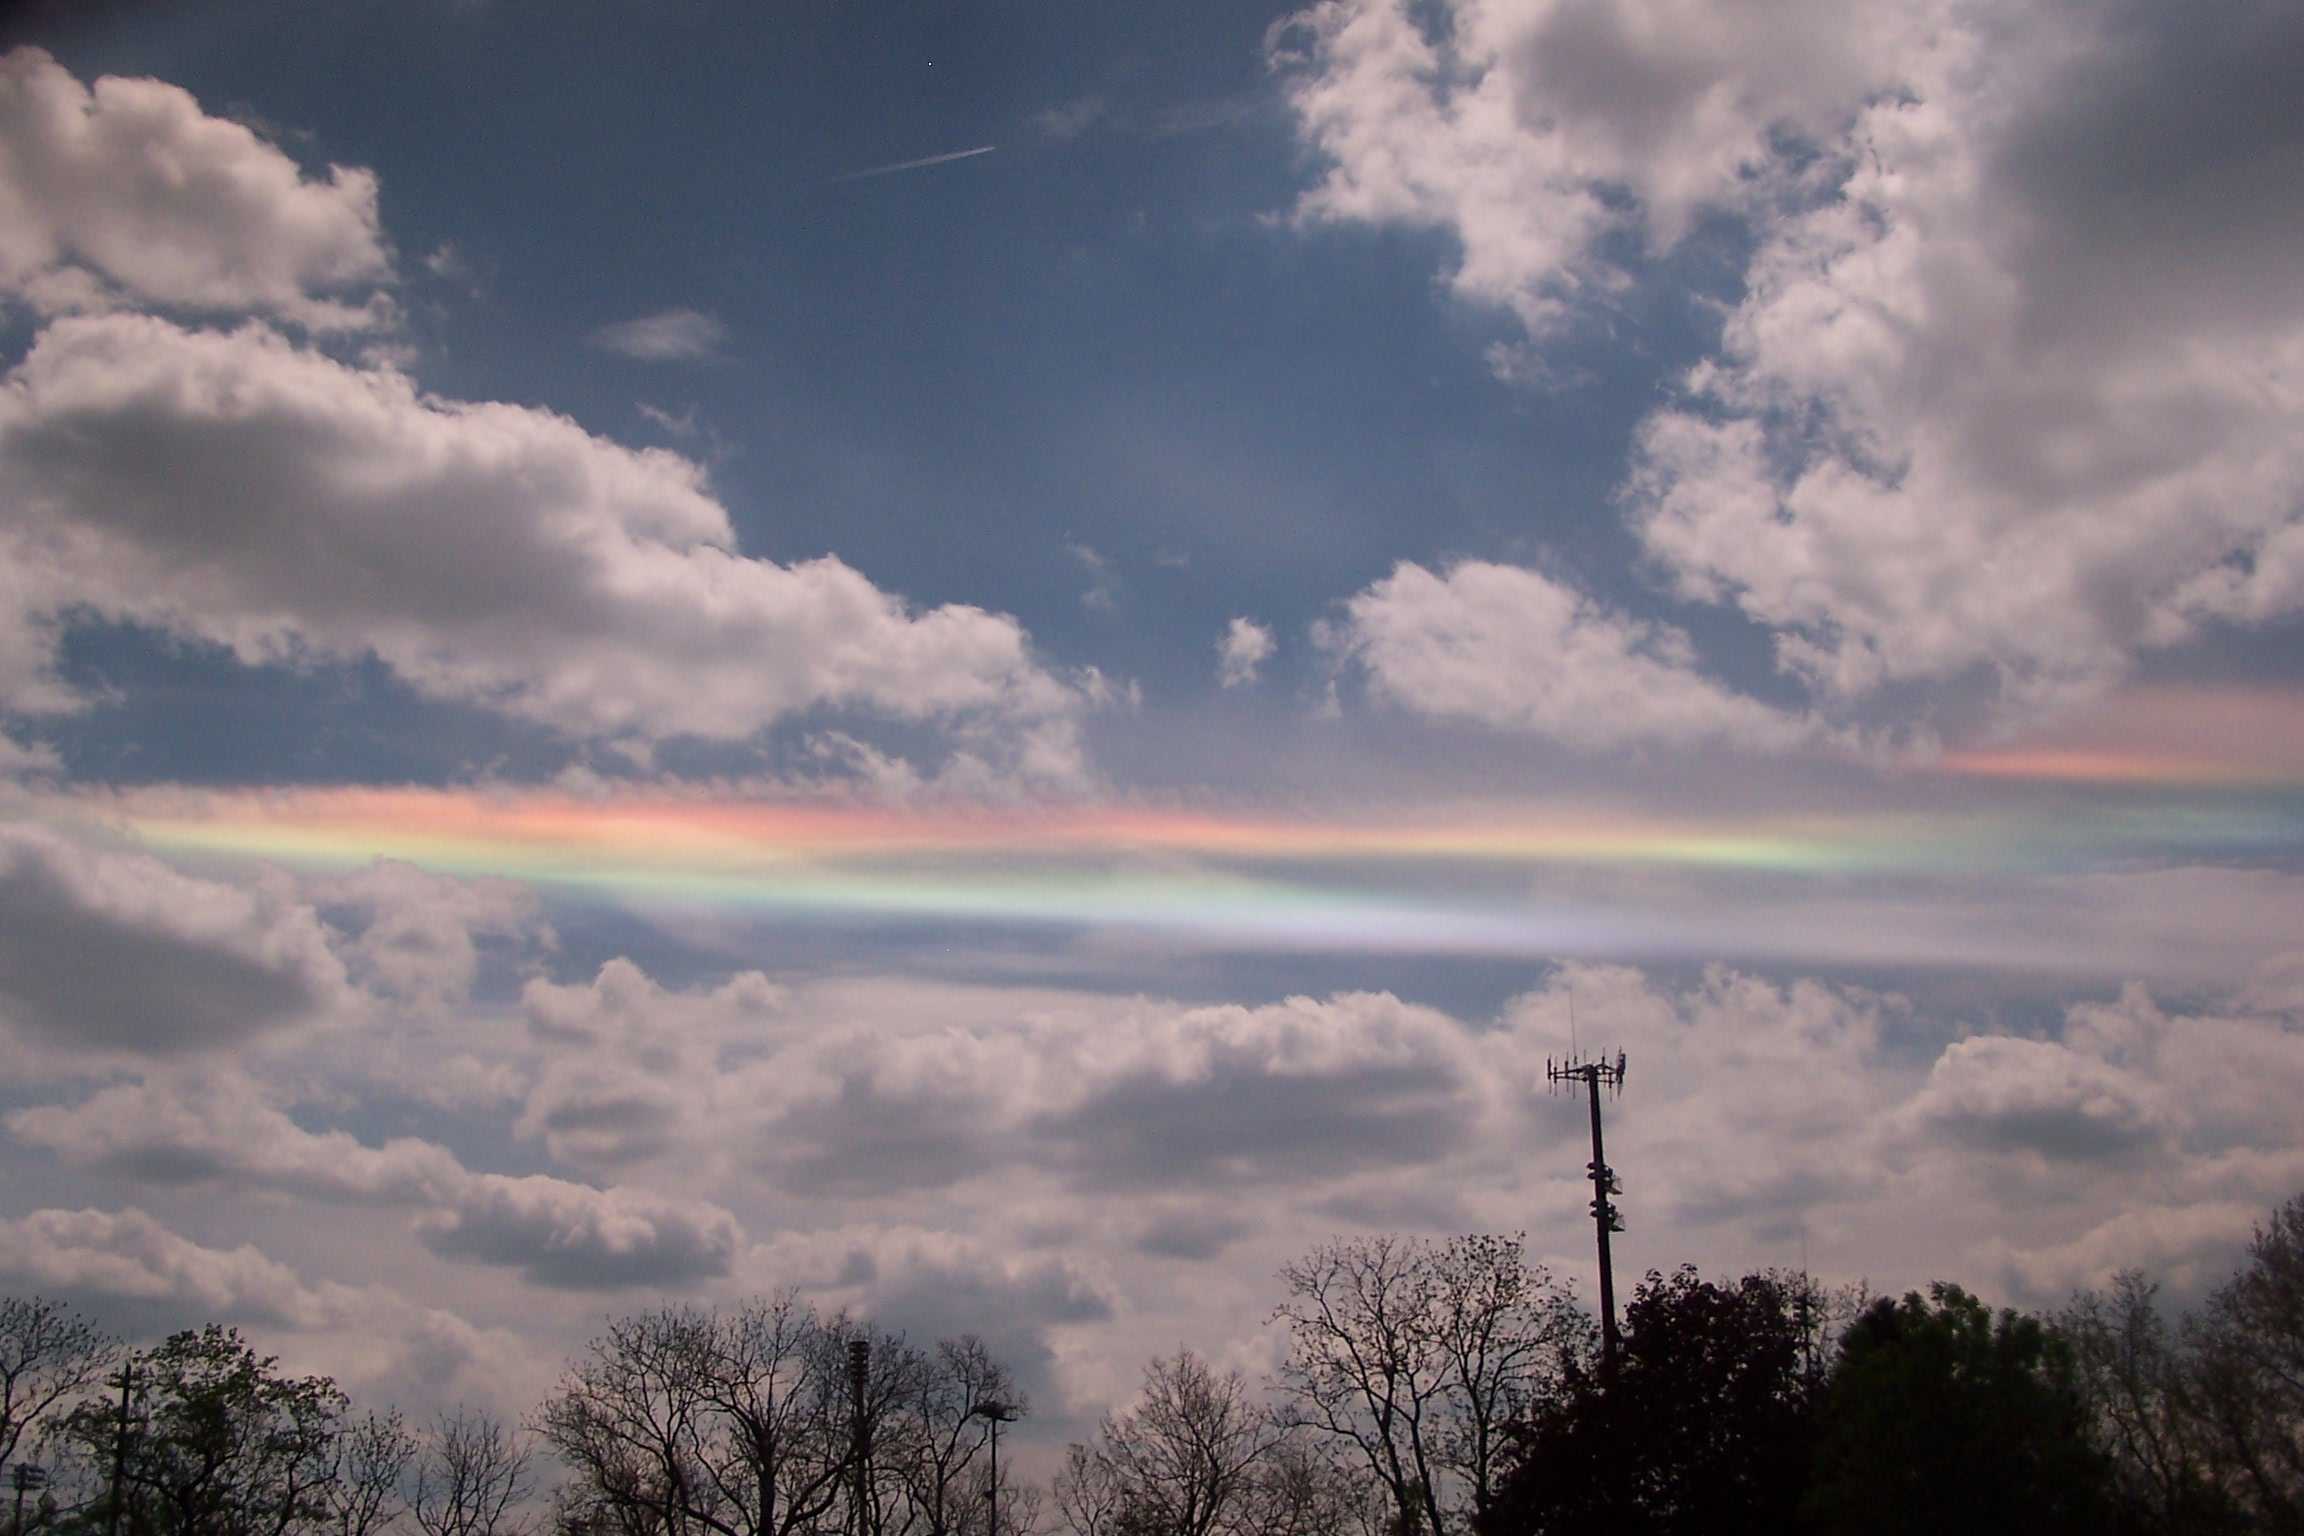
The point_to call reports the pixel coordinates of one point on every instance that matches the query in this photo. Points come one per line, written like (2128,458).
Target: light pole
(998,1413)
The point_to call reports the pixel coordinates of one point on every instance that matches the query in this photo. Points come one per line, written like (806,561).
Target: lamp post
(998,1413)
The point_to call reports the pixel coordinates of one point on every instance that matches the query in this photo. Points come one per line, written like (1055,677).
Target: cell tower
(1595,1075)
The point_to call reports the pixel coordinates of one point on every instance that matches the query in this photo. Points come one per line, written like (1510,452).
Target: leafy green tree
(222,1445)
(1941,1416)
(1705,1429)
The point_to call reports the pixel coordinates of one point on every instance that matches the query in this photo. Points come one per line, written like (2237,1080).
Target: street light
(998,1413)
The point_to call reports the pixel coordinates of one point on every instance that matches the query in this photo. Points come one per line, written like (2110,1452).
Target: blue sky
(679,644)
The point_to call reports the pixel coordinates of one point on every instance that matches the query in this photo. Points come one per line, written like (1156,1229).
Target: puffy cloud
(2010,386)
(104,950)
(136,1274)
(1511,648)
(575,1237)
(2040,1096)
(557,1233)
(127,1256)
(1533,130)
(1241,654)
(127,190)
(669,336)
(246,491)
(418,940)
(630,1067)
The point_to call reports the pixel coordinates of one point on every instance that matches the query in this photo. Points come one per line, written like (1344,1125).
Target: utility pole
(120,1444)
(1595,1075)
(859,1375)
(27,1479)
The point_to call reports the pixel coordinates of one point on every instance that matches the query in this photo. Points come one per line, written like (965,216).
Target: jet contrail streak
(914,165)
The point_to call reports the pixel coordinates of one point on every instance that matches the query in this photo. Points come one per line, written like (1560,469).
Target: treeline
(1427,1389)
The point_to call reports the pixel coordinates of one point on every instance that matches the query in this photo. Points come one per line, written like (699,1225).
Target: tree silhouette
(2248,1375)
(225,1446)
(1409,1358)
(1706,1427)
(1942,1417)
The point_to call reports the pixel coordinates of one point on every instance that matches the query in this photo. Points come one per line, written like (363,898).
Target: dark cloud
(1247,1128)
(117,951)
(573,1238)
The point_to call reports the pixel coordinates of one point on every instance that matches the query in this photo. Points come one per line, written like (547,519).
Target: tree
(1183,1462)
(224,1446)
(2139,1384)
(1942,1417)
(934,1434)
(473,1474)
(2248,1374)
(372,1456)
(48,1355)
(1410,1358)
(1705,1427)
(745,1422)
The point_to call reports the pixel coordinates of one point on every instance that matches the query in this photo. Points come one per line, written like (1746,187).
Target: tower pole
(1606,1219)
(1603,1217)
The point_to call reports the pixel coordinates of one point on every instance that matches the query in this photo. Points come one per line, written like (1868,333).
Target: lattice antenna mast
(1595,1075)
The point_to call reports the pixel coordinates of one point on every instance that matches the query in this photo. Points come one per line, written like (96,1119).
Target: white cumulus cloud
(1511,648)
(126,191)
(240,489)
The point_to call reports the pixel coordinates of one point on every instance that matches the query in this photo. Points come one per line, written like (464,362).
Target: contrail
(914,165)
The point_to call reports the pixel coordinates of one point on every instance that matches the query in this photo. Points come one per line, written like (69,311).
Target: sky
(1007,662)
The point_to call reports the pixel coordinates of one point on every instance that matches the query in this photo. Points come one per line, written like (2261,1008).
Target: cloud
(2009,388)
(103,950)
(132,1272)
(1246,646)
(630,1067)
(242,490)
(21,760)
(127,191)
(2039,1096)
(1068,120)
(1513,649)
(418,941)
(127,1256)
(672,335)
(219,1130)
(574,1237)
(1534,130)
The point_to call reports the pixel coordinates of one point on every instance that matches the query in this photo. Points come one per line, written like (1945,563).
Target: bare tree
(2247,1375)
(49,1354)
(473,1477)
(1410,1358)
(933,1435)
(747,1423)
(372,1456)
(1183,1461)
